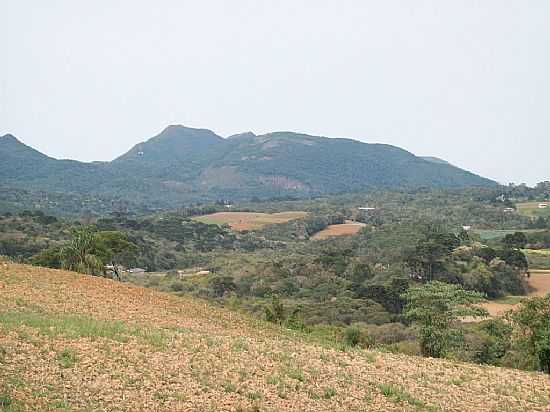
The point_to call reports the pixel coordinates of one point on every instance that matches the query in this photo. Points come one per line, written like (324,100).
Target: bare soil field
(540,286)
(71,342)
(540,282)
(345,229)
(249,220)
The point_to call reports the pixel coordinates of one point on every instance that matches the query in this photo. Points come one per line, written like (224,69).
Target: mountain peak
(175,143)
(9,137)
(179,129)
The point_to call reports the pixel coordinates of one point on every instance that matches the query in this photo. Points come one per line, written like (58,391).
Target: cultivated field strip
(80,343)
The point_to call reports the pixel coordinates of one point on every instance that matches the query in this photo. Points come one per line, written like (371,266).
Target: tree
(532,321)
(80,255)
(50,258)
(517,240)
(435,308)
(276,312)
(428,257)
(222,284)
(113,246)
(89,250)
(486,253)
(389,295)
(515,258)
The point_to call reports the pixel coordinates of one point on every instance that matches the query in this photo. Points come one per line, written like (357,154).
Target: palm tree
(79,255)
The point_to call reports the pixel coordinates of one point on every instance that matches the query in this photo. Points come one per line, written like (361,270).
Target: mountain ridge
(183,164)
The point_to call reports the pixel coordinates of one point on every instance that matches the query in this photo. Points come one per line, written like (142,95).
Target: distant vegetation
(359,289)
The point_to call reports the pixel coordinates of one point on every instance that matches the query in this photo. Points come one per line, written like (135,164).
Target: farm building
(203,273)
(509,209)
(137,271)
(365,209)
(543,205)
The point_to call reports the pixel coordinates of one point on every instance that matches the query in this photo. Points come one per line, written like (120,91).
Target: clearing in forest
(539,283)
(249,220)
(534,209)
(71,342)
(345,229)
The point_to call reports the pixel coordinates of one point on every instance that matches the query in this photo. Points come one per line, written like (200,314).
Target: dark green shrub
(356,336)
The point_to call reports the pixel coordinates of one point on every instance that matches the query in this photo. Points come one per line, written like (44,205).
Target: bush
(390,333)
(352,336)
(177,287)
(356,336)
(407,347)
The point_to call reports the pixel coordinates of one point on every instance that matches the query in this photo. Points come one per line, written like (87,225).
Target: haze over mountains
(184,164)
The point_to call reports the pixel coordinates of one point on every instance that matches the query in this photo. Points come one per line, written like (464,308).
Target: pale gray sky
(467,81)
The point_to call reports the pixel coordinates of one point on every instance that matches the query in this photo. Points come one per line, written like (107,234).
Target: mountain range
(182,165)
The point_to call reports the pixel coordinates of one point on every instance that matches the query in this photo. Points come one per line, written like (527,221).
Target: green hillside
(182,165)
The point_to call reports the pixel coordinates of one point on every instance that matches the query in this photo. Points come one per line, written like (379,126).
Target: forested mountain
(183,164)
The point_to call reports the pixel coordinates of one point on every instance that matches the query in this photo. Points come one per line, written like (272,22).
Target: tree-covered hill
(182,165)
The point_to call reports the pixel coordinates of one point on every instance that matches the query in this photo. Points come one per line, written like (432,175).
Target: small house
(543,205)
(137,271)
(509,210)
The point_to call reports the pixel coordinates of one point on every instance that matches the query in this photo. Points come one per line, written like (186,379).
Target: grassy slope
(73,342)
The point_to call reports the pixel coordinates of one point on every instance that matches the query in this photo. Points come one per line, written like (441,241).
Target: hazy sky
(468,81)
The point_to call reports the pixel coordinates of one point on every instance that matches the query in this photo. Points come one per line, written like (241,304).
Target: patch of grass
(398,395)
(329,393)
(510,300)
(313,395)
(80,326)
(273,380)
(296,374)
(8,404)
(60,405)
(16,382)
(229,387)
(254,396)
(67,358)
(370,357)
(240,345)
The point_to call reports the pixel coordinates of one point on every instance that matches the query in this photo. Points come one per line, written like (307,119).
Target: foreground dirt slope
(73,342)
